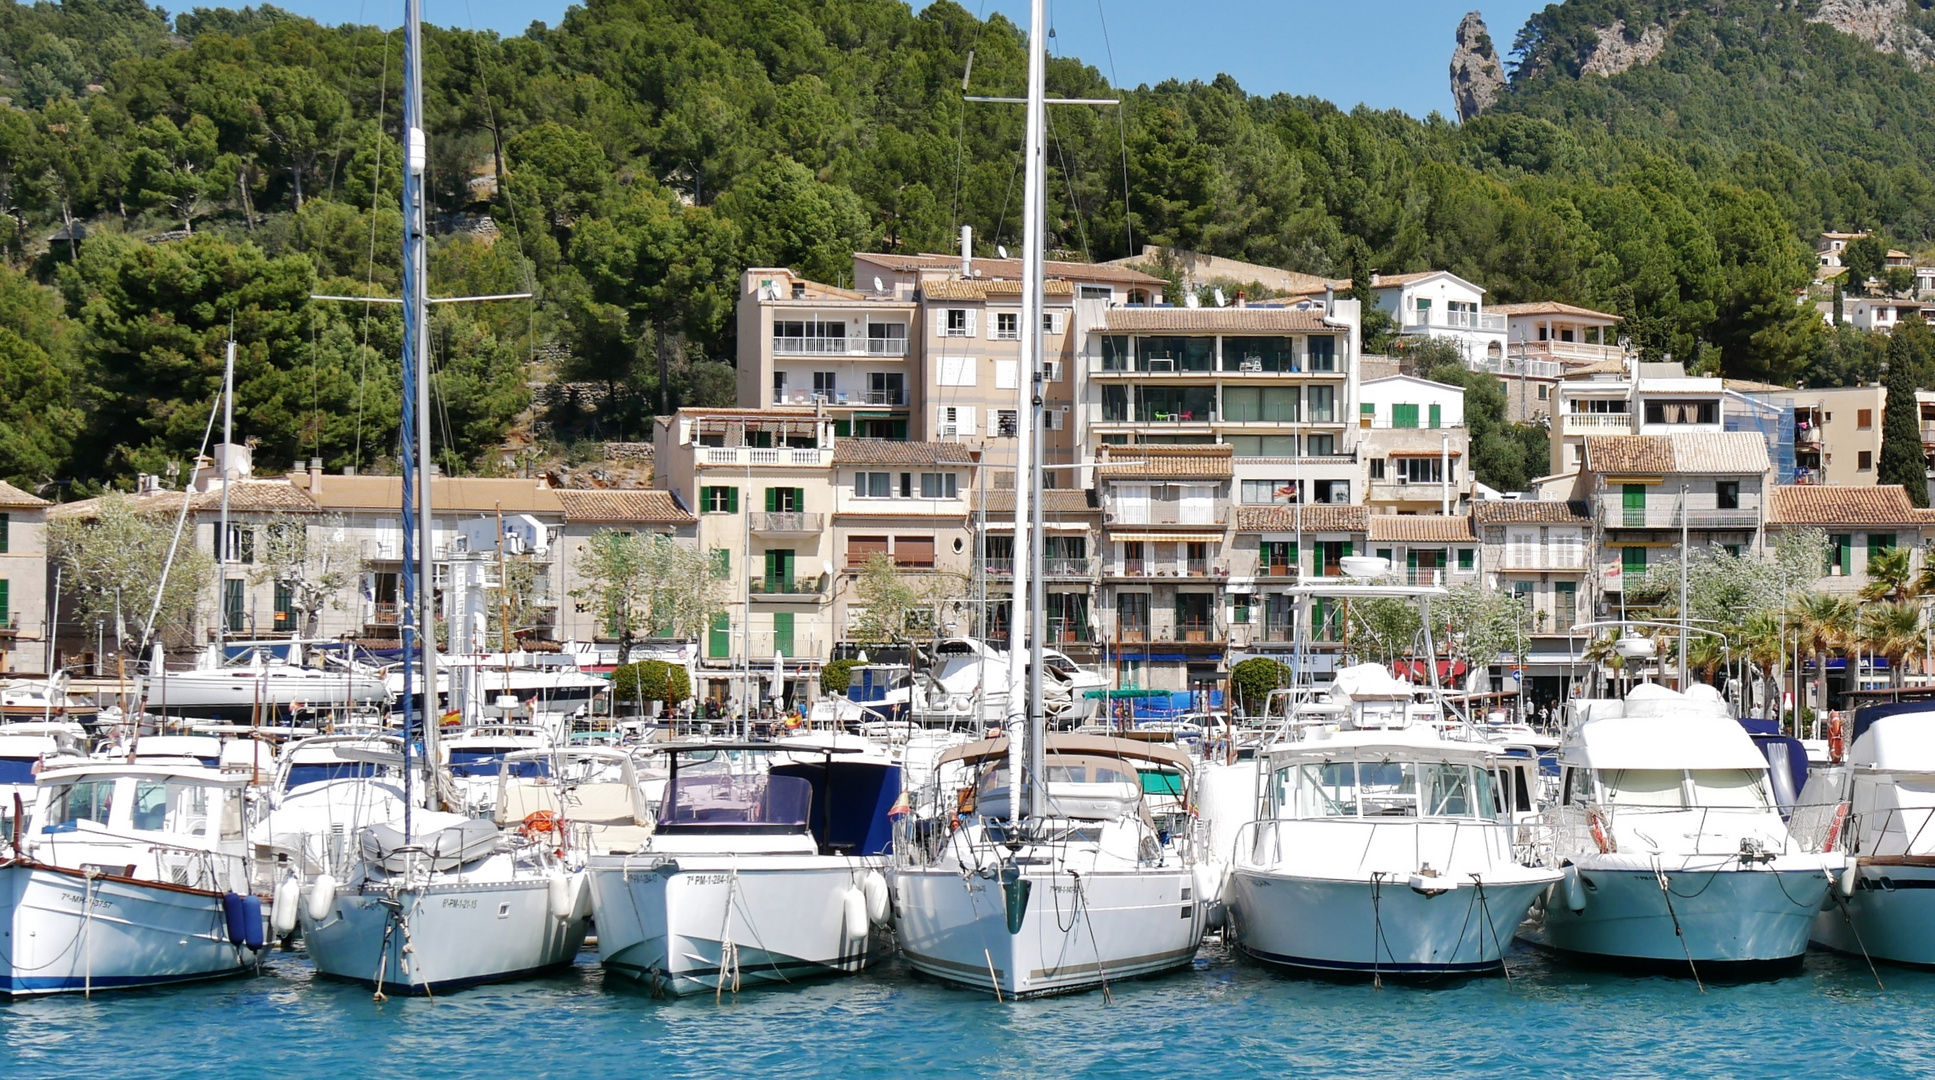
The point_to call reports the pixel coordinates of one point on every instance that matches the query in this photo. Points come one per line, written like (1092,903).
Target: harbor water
(1227,1017)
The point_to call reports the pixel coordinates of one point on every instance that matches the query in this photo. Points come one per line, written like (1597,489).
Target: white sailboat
(445,900)
(1049,877)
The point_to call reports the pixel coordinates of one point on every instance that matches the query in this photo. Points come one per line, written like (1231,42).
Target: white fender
(557,889)
(855,913)
(874,888)
(1850,877)
(1575,890)
(283,907)
(581,895)
(322,897)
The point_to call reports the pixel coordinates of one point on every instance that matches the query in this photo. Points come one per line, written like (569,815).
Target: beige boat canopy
(975,753)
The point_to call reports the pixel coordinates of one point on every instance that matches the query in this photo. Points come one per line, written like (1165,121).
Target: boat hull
(138,933)
(1720,915)
(690,925)
(1078,932)
(1379,927)
(457,935)
(1891,916)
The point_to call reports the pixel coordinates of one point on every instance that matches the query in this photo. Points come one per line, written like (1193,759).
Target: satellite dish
(1001,251)
(1365,566)
(879,285)
(1635,648)
(1220,302)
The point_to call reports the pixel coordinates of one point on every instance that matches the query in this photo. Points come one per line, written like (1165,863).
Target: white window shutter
(1056,419)
(994,423)
(970,316)
(964,414)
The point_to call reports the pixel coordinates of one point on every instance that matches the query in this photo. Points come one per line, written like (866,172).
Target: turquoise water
(1225,1018)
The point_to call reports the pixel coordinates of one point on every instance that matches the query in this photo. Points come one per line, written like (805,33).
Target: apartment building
(1631,398)
(1542,551)
(1413,446)
(1166,515)
(1545,339)
(1834,432)
(1646,491)
(1440,304)
(854,354)
(1071,567)
(24,632)
(1860,523)
(911,502)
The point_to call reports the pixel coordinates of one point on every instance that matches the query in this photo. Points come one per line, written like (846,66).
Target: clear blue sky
(1389,54)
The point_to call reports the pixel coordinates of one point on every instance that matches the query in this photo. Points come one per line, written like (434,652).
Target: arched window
(1494,350)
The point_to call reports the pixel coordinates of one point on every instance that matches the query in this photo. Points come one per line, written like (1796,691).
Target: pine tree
(1901,436)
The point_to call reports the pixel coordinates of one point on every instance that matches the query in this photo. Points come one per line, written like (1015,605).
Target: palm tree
(1889,577)
(1600,652)
(1761,641)
(1825,624)
(1893,630)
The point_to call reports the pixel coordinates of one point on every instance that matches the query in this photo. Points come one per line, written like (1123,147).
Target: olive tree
(647,585)
(116,573)
(312,562)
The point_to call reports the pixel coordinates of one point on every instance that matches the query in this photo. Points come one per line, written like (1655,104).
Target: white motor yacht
(1089,892)
(129,875)
(1381,843)
(1674,853)
(268,682)
(1877,808)
(767,869)
(325,789)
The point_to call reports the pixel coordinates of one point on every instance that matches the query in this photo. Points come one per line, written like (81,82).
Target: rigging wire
(960,135)
(369,276)
(1121,129)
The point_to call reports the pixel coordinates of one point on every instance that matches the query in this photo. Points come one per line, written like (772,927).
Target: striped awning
(1165,538)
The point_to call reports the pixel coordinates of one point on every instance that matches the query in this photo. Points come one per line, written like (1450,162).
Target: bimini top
(1897,737)
(1662,730)
(1102,745)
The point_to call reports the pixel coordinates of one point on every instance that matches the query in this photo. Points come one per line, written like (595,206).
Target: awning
(1165,538)
(1635,479)
(1051,526)
(1420,453)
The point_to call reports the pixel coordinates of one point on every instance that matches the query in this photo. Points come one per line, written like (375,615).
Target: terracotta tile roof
(245,497)
(13,497)
(1055,502)
(1549,307)
(448,494)
(1749,386)
(1530,512)
(1827,504)
(651,506)
(1351,519)
(989,289)
(1209,461)
(1009,268)
(895,452)
(1218,320)
(1416,528)
(1696,453)
(1386,280)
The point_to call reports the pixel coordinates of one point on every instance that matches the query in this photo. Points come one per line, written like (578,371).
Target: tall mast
(418,536)
(223,554)
(1024,698)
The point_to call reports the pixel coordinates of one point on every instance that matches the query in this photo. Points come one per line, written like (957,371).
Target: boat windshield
(735,801)
(491,762)
(322,772)
(170,806)
(1350,789)
(1684,789)
(82,800)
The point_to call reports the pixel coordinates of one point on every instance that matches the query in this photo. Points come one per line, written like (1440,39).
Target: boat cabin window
(1578,787)
(324,771)
(1680,789)
(83,800)
(170,806)
(1386,789)
(491,762)
(736,801)
(1085,770)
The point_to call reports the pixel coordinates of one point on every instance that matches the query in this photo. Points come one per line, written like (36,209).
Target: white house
(1441,304)
(1406,401)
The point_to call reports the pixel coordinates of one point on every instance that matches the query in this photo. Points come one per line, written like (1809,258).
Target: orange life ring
(541,821)
(1606,844)
(1834,827)
(1836,745)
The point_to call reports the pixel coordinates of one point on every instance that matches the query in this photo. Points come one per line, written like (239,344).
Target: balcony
(1614,515)
(1420,322)
(1579,352)
(850,399)
(1050,568)
(1167,514)
(1278,572)
(1596,424)
(1184,570)
(1514,366)
(785,457)
(785,523)
(803,587)
(786,345)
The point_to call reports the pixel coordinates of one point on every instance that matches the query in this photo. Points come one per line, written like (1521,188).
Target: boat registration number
(705,879)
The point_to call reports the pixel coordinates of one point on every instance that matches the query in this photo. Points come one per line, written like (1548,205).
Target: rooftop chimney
(1241,300)
(1330,297)
(967,251)
(315,475)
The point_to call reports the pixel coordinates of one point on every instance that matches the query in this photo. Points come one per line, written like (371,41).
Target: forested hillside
(227,164)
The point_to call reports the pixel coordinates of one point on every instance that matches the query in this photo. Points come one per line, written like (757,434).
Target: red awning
(1414,670)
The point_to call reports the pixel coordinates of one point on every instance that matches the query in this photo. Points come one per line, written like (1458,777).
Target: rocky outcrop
(1476,76)
(1616,53)
(1881,23)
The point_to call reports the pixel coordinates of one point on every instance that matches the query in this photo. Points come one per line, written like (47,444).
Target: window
(1864,460)
(162,806)
(1095,292)
(1132,615)
(887,339)
(1330,556)
(779,570)
(862,548)
(1864,419)
(718,640)
(3,534)
(916,551)
(1240,609)
(954,421)
(1544,391)
(1465,559)
(1632,561)
(1323,354)
(1269,492)
(6,603)
(1268,404)
(1422,470)
(1051,321)
(785,500)
(873,485)
(779,387)
(1565,605)
(1007,326)
(1277,558)
(718,500)
(957,322)
(241,544)
(285,603)
(1377,468)
(1333,492)
(1006,425)
(886,388)
(1727,494)
(1132,504)
(1840,556)
(1879,543)
(1321,446)
(85,800)
(935,485)
(1435,417)
(826,385)
(232,604)
(1682,412)
(906,485)
(957,371)
(1404,416)
(1323,404)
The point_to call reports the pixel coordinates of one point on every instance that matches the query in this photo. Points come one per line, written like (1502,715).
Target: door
(1404,416)
(779,571)
(783,633)
(1633,502)
(718,641)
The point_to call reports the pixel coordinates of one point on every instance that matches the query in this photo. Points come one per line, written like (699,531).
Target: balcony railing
(1435,319)
(383,615)
(1170,568)
(1578,351)
(798,585)
(1516,365)
(1596,423)
(1188,632)
(1054,568)
(1168,513)
(800,522)
(840,397)
(808,457)
(1614,515)
(839,346)
(1278,571)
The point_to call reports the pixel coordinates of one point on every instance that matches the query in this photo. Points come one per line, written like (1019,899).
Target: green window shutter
(799,498)
(1411,561)
(3,533)
(1633,496)
(783,632)
(1383,553)
(732,500)
(1404,416)
(772,500)
(1465,556)
(1880,542)
(6,602)
(1437,416)
(1632,560)
(718,645)
(1844,546)
(1346,550)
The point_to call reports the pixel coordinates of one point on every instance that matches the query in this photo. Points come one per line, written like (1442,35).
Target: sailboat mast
(418,538)
(1025,753)
(222,539)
